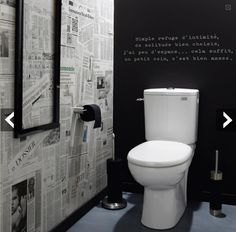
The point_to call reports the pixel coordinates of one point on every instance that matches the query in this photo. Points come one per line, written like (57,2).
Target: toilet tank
(171,114)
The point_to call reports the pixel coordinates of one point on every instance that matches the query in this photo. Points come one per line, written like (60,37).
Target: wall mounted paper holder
(78,109)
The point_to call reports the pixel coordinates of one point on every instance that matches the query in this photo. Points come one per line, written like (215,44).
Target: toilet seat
(158,153)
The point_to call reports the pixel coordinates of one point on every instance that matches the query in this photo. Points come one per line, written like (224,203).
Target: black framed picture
(37,66)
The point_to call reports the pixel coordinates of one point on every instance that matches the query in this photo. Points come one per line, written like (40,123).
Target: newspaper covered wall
(43,179)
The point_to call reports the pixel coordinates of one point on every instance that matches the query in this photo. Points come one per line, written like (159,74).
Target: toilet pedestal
(162,209)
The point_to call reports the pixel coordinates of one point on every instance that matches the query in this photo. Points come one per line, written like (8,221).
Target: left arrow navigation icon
(8,119)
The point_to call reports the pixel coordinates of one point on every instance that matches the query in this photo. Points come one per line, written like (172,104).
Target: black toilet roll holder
(86,113)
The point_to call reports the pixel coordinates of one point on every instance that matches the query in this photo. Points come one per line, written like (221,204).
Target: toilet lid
(160,153)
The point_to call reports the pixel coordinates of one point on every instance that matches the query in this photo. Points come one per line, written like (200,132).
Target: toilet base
(162,209)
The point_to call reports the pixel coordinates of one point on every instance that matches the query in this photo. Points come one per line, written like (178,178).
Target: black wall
(216,80)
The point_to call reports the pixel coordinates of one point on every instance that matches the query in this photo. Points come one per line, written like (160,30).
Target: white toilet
(161,164)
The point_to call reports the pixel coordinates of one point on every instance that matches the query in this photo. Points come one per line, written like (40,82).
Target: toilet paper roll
(92,113)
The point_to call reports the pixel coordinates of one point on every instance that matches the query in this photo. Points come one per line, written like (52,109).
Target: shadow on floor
(131,221)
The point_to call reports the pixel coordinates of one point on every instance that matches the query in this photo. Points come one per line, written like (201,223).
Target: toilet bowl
(161,164)
(162,168)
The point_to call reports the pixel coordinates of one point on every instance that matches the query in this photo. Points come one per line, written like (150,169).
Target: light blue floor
(195,219)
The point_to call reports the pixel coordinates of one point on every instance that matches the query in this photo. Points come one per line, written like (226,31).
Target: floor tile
(195,219)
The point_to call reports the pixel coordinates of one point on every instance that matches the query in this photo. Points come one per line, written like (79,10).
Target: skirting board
(74,217)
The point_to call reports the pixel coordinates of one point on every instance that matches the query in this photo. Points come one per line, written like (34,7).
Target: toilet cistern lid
(160,153)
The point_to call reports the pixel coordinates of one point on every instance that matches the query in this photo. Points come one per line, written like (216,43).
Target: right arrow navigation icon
(226,119)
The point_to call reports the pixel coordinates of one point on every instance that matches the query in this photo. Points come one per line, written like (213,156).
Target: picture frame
(37,66)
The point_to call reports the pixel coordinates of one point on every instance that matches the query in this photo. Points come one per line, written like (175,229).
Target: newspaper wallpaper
(44,178)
